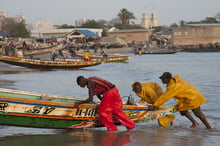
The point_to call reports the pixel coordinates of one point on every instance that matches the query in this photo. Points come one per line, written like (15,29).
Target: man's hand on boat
(76,104)
(88,100)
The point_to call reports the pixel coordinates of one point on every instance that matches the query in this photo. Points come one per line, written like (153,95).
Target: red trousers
(111,104)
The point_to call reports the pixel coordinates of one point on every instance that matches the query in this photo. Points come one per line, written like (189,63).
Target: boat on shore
(31,109)
(43,50)
(47,64)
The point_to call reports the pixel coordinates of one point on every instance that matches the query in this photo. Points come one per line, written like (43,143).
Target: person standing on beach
(186,96)
(150,92)
(111,103)
(86,56)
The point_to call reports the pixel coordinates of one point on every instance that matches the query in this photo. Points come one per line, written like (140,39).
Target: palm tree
(125,16)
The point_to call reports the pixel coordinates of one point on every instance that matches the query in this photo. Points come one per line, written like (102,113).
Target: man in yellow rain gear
(86,56)
(150,92)
(186,96)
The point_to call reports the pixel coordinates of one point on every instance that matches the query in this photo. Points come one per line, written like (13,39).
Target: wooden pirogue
(47,64)
(110,58)
(43,50)
(157,51)
(30,109)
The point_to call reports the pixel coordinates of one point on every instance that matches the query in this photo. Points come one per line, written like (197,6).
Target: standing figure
(186,96)
(111,103)
(53,53)
(86,56)
(61,54)
(104,54)
(150,92)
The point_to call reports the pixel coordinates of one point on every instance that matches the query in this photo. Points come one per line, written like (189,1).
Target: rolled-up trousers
(111,105)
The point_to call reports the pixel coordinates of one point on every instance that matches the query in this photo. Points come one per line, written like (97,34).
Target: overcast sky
(68,11)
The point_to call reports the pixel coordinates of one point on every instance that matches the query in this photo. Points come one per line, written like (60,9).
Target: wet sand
(141,136)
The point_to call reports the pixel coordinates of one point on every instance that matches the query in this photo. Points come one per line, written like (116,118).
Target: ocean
(201,69)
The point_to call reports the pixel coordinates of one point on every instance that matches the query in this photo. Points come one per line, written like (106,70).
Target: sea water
(201,69)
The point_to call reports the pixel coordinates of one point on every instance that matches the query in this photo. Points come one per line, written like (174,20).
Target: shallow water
(201,69)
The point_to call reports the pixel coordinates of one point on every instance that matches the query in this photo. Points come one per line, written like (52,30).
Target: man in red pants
(111,103)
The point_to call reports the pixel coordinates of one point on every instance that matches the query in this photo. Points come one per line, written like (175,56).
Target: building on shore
(81,34)
(196,34)
(130,35)
(4,18)
(58,33)
(137,35)
(45,29)
(43,25)
(146,23)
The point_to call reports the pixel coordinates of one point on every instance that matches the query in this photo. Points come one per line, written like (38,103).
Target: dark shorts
(183,113)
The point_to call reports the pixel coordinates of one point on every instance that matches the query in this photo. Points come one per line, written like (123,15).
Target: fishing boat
(31,109)
(47,64)
(108,58)
(42,50)
(101,57)
(157,51)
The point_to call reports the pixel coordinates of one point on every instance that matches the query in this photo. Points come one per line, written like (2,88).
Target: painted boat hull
(157,52)
(110,58)
(28,109)
(42,50)
(47,64)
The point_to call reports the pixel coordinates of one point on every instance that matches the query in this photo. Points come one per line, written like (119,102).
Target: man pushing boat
(186,96)
(111,103)
(150,92)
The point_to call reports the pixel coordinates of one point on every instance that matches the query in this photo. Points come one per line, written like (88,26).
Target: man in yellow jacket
(86,56)
(150,92)
(186,96)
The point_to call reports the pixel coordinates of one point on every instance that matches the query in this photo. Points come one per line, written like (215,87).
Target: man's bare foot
(210,129)
(194,126)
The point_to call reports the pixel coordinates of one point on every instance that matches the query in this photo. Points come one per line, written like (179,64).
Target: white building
(45,29)
(49,33)
(43,25)
(146,23)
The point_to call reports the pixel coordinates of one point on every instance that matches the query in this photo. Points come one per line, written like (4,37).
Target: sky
(68,11)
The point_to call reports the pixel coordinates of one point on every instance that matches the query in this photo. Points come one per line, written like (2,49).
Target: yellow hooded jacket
(150,93)
(86,55)
(184,93)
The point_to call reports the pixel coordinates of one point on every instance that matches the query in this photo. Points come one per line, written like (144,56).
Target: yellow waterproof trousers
(166,120)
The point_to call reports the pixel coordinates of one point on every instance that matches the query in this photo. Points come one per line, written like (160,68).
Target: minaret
(154,20)
(145,21)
